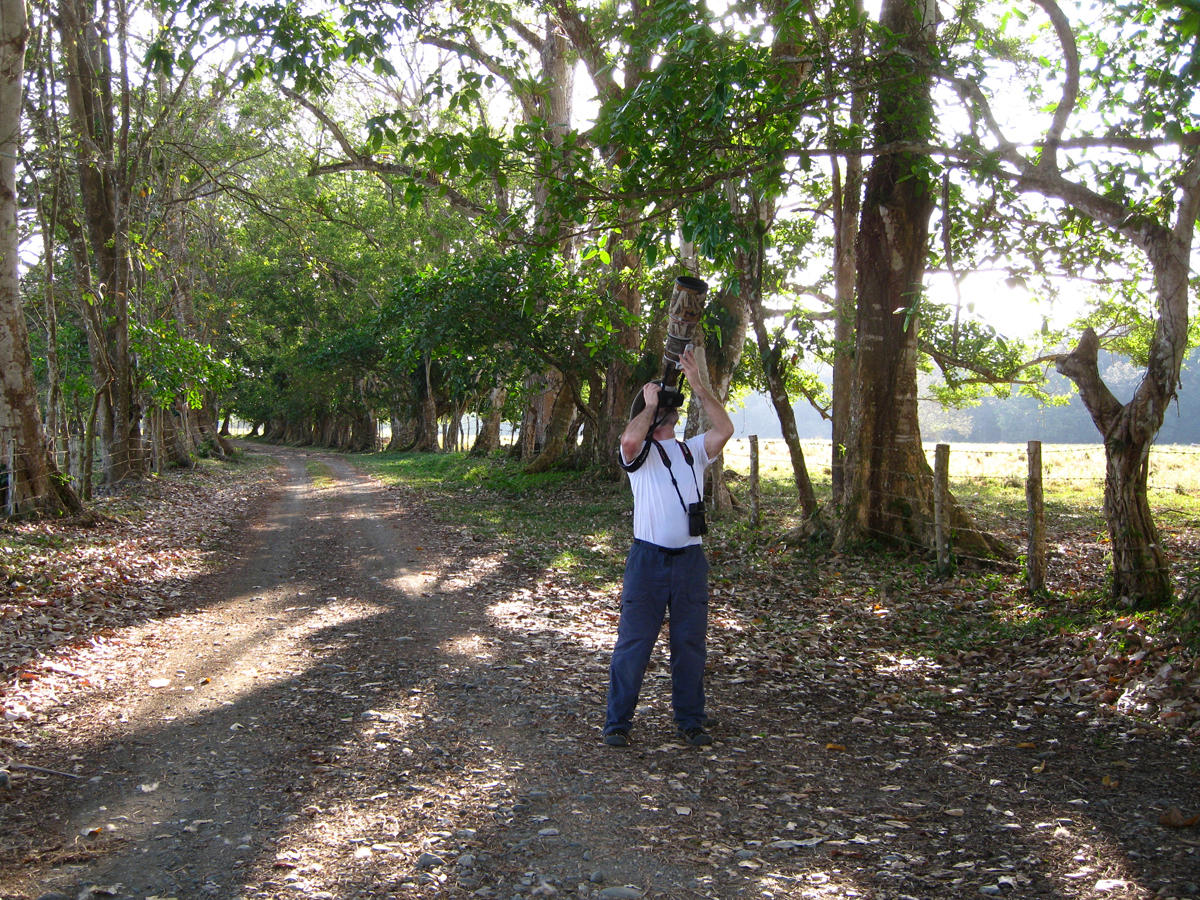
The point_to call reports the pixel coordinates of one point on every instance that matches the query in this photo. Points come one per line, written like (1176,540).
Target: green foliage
(556,515)
(172,366)
(288,40)
(330,294)
(970,352)
(494,319)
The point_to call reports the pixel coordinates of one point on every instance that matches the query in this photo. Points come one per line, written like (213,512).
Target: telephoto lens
(683,330)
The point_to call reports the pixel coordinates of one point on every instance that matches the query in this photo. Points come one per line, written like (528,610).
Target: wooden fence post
(941,506)
(754,507)
(1036,553)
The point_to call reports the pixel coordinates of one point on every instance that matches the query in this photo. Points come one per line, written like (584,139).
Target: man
(666,568)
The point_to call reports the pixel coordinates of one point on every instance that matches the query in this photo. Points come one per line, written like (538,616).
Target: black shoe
(619,738)
(695,737)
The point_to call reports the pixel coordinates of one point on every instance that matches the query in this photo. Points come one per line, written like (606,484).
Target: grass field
(990,479)
(1172,467)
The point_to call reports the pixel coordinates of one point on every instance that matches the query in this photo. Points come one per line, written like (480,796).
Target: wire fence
(990,483)
(17,497)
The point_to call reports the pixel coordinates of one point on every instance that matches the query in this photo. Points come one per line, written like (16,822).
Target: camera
(696,524)
(683,330)
(670,398)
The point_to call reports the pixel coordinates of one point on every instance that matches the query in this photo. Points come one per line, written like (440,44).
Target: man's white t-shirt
(658,515)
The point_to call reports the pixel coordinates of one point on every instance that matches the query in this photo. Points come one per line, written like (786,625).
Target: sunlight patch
(816,884)
(510,609)
(470,645)
(907,665)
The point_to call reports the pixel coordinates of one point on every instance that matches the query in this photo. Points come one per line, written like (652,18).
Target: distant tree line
(1022,418)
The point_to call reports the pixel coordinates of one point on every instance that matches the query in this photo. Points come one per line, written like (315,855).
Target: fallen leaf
(1174,818)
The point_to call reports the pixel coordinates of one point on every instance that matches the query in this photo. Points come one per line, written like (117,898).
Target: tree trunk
(888,483)
(791,437)
(33,486)
(87,44)
(618,391)
(590,452)
(562,414)
(404,436)
(206,422)
(55,414)
(488,439)
(364,431)
(175,450)
(719,362)
(847,207)
(1141,573)
(427,431)
(545,389)
(751,285)
(452,430)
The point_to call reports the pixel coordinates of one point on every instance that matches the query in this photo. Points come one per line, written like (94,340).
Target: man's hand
(638,427)
(691,368)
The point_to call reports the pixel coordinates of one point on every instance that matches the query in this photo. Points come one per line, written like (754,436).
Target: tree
(1155,210)
(888,488)
(535,66)
(32,482)
(101,133)
(1117,186)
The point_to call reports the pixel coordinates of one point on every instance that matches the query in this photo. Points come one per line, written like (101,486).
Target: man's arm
(635,432)
(720,428)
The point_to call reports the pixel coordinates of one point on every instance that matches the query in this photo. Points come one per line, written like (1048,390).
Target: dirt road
(337,715)
(365,705)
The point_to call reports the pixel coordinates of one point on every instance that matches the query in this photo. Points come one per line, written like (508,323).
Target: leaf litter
(858,753)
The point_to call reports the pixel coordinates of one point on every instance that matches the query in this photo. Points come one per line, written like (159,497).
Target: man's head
(666,428)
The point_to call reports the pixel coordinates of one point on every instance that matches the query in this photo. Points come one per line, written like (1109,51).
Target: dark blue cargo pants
(658,581)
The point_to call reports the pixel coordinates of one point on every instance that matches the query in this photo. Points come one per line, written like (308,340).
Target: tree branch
(1082,366)
(585,44)
(472,51)
(361,162)
(1070,93)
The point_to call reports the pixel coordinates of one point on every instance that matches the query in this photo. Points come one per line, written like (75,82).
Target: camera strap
(689,459)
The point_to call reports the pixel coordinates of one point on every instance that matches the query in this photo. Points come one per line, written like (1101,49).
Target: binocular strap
(687,457)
